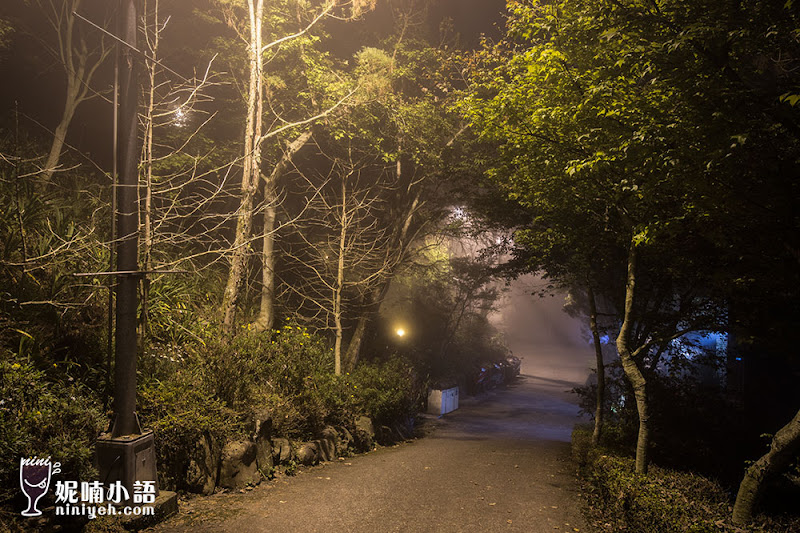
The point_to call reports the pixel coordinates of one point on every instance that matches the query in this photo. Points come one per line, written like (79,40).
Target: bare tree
(254,137)
(341,247)
(172,102)
(81,51)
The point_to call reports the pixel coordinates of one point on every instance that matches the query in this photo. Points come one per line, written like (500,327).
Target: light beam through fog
(551,344)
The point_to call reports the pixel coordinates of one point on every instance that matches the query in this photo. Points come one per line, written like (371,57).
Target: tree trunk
(601,372)
(146,191)
(266,315)
(356,340)
(59,136)
(781,452)
(75,74)
(632,371)
(251,163)
(371,305)
(337,299)
(79,68)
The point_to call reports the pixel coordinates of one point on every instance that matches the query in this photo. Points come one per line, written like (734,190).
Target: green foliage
(216,388)
(664,501)
(44,416)
(181,412)
(385,391)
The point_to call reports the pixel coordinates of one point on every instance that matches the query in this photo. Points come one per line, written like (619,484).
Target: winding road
(499,463)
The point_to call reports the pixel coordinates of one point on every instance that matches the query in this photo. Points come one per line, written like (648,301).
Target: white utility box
(442,401)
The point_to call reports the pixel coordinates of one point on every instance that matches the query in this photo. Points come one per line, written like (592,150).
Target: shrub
(41,417)
(217,386)
(387,391)
(180,411)
(384,391)
(663,501)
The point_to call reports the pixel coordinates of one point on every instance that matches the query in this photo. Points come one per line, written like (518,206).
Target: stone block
(308,453)
(264,457)
(345,442)
(203,470)
(238,466)
(281,451)
(365,433)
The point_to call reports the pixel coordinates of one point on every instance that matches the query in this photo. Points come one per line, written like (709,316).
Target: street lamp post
(127,453)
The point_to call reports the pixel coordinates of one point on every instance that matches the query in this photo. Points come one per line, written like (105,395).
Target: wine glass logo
(34,480)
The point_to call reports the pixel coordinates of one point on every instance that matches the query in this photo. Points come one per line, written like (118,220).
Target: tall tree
(80,50)
(598,143)
(255,134)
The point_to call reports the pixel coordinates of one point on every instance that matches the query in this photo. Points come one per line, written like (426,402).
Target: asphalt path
(498,463)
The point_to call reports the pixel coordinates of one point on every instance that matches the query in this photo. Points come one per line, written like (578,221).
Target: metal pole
(125,422)
(114,177)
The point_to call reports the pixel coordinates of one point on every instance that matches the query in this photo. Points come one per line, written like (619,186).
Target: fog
(551,344)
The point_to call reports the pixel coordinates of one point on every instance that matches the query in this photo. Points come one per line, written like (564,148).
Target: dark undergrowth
(663,501)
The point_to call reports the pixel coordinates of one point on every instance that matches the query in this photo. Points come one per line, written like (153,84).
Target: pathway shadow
(570,384)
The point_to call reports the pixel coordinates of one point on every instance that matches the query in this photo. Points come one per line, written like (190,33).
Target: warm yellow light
(400,332)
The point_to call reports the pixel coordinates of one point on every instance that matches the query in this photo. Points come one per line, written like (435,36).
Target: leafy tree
(249,22)
(608,139)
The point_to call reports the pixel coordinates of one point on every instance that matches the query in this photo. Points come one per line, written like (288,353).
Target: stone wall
(238,464)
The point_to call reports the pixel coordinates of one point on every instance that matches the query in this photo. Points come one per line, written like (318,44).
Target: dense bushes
(180,412)
(42,416)
(664,501)
(692,423)
(218,387)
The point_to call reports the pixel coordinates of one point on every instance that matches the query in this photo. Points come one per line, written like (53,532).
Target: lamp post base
(127,458)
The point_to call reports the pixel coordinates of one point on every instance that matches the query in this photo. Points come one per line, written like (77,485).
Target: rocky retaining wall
(238,464)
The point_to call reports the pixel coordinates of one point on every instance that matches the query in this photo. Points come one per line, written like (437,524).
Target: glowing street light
(400,332)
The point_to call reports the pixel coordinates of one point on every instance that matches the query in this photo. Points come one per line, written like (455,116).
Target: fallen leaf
(493,503)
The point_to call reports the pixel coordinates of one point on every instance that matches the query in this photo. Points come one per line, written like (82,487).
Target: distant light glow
(400,332)
(181,117)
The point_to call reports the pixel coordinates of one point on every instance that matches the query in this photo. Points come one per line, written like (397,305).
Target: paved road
(500,463)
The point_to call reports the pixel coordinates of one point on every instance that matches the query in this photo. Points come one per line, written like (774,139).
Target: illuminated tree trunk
(146,189)
(266,315)
(60,133)
(79,66)
(251,163)
(632,371)
(337,297)
(601,372)
(781,452)
(371,304)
